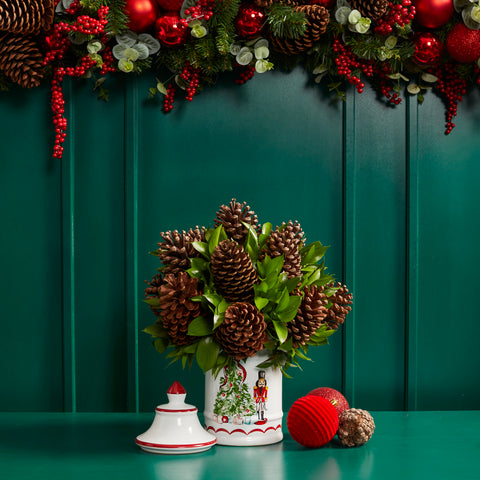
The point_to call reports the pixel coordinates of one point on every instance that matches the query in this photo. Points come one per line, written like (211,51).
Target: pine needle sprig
(225,36)
(284,21)
(117,18)
(224,13)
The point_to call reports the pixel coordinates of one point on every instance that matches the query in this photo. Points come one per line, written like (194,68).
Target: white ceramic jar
(243,406)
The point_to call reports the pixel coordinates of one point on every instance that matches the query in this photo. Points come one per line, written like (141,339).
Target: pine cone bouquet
(225,293)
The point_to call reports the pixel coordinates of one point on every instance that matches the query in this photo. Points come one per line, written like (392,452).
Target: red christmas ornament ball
(333,396)
(171,5)
(142,14)
(433,13)
(312,421)
(250,20)
(328,4)
(171,30)
(428,48)
(463,43)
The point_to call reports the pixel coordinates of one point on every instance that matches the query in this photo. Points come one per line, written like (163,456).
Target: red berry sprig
(169,97)
(190,76)
(452,87)
(202,9)
(400,14)
(245,75)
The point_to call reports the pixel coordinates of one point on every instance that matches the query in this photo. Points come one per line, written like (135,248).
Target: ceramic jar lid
(175,428)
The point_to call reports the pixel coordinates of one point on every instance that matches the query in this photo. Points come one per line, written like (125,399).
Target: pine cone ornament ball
(177,308)
(233,272)
(176,249)
(242,333)
(355,427)
(232,216)
(310,316)
(341,301)
(372,9)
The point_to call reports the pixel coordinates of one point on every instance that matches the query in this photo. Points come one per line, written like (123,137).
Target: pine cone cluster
(176,249)
(372,9)
(232,216)
(177,308)
(318,18)
(287,240)
(242,333)
(355,427)
(21,60)
(341,301)
(233,272)
(310,316)
(153,291)
(26,16)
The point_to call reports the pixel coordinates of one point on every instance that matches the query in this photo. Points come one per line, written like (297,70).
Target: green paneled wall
(395,199)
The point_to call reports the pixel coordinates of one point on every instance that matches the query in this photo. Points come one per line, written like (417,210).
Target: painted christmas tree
(234,401)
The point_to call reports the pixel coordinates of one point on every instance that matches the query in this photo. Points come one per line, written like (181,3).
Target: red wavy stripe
(239,430)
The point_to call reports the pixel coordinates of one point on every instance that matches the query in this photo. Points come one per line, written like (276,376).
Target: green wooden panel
(273,144)
(376,209)
(30,262)
(449,223)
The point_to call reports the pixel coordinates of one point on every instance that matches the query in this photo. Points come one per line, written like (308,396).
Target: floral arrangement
(225,293)
(395,45)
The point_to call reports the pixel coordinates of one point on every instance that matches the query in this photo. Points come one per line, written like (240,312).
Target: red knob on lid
(176,388)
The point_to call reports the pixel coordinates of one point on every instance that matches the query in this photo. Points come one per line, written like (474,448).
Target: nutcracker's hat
(261,374)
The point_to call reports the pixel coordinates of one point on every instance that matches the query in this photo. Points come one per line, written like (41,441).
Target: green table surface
(405,445)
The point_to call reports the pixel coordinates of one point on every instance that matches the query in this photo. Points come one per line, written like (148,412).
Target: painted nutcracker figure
(260,391)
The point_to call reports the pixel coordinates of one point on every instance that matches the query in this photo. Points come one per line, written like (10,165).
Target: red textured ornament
(433,13)
(250,20)
(312,421)
(428,48)
(463,43)
(142,14)
(171,30)
(171,5)
(333,396)
(328,4)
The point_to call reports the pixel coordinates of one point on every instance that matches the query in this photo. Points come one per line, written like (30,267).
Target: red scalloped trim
(170,410)
(239,430)
(161,445)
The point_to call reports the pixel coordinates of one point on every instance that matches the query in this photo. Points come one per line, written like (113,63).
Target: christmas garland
(394,45)
(223,294)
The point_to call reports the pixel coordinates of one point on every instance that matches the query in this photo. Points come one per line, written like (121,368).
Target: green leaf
(266,228)
(251,247)
(156,330)
(283,302)
(207,353)
(215,238)
(213,298)
(273,266)
(202,248)
(312,253)
(287,346)
(161,344)
(251,231)
(261,302)
(281,329)
(288,314)
(200,327)
(154,302)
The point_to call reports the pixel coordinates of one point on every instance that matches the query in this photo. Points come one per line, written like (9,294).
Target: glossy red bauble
(333,396)
(433,13)
(250,20)
(171,30)
(428,48)
(463,43)
(170,5)
(142,14)
(312,421)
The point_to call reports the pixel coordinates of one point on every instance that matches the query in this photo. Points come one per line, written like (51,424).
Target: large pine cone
(310,316)
(176,249)
(26,16)
(317,21)
(242,333)
(341,301)
(177,308)
(21,60)
(287,240)
(372,9)
(233,272)
(232,216)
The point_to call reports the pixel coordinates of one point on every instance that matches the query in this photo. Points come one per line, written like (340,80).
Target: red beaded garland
(142,14)
(312,421)
(463,43)
(433,13)
(250,20)
(171,30)
(428,48)
(400,14)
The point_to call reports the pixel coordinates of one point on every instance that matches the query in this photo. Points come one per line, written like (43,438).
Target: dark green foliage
(284,21)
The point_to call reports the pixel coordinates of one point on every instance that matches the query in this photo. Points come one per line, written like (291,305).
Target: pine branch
(285,21)
(117,18)
(225,36)
(224,13)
